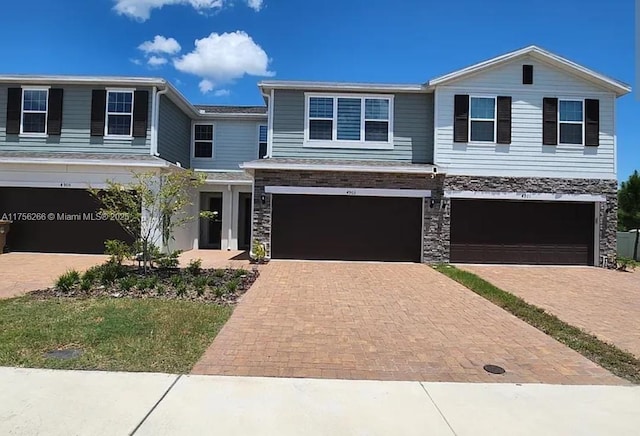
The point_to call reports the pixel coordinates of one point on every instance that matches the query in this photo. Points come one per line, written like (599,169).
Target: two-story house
(512,160)
(60,135)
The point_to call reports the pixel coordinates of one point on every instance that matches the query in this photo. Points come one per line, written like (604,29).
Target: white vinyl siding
(526,156)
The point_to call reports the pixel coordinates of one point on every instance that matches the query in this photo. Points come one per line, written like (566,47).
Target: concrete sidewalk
(47,402)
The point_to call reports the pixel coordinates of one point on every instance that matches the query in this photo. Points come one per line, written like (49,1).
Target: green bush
(200,285)
(181,289)
(219,272)
(86,284)
(177,280)
(194,267)
(160,289)
(110,272)
(169,261)
(147,283)
(259,252)
(68,280)
(626,263)
(232,285)
(218,291)
(118,250)
(127,283)
(92,274)
(240,272)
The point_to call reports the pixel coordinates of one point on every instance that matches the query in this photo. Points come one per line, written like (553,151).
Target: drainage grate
(494,369)
(70,353)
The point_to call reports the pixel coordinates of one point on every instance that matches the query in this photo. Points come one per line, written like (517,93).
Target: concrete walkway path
(48,402)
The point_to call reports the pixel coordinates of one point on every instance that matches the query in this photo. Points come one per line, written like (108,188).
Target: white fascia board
(86,162)
(228,182)
(83,80)
(533,196)
(616,86)
(340,168)
(353,192)
(342,86)
(223,115)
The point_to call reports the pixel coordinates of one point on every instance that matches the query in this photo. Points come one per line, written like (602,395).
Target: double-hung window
(34,110)
(262,141)
(203,140)
(348,121)
(119,113)
(571,121)
(482,119)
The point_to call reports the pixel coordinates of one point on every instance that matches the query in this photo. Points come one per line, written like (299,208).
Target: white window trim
(193,139)
(46,112)
(343,143)
(495,119)
(107,113)
(581,100)
(266,126)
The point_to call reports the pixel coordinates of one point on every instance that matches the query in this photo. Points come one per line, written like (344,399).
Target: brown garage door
(522,232)
(346,228)
(75,234)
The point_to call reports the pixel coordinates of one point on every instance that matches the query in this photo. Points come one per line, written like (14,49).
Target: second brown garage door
(522,232)
(346,228)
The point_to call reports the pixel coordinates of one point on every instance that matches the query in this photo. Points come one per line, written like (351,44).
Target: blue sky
(343,40)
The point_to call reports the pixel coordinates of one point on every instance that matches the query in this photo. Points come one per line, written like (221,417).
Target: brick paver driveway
(24,272)
(603,302)
(384,322)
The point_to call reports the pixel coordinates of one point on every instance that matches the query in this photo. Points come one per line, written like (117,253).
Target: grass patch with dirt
(123,334)
(610,357)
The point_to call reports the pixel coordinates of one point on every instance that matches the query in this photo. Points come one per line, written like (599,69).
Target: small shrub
(160,289)
(169,261)
(177,280)
(68,280)
(195,267)
(259,252)
(240,272)
(200,285)
(118,250)
(219,272)
(213,281)
(232,285)
(86,284)
(92,274)
(147,283)
(181,289)
(110,272)
(218,291)
(127,283)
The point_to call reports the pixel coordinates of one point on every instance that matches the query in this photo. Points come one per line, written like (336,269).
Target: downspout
(155,119)
(269,98)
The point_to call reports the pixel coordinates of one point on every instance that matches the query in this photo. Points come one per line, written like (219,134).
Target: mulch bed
(219,286)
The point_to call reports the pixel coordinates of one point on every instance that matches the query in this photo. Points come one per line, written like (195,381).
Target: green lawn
(610,357)
(115,334)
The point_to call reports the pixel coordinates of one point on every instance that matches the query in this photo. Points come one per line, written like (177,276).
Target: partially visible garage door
(522,232)
(346,228)
(71,233)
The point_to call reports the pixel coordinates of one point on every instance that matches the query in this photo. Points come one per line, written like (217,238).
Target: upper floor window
(571,120)
(349,121)
(203,140)
(262,141)
(34,110)
(483,119)
(119,113)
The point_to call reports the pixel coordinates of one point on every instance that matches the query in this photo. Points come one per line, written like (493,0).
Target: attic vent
(527,74)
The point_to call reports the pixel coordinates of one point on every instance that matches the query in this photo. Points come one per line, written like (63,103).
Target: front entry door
(211,229)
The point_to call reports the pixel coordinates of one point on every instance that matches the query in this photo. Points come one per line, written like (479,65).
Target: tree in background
(629,207)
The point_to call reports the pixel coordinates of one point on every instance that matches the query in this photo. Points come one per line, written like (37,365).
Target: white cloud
(256,5)
(219,59)
(160,44)
(156,61)
(222,93)
(136,61)
(141,9)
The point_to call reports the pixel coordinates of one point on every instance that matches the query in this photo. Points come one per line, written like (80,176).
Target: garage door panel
(58,235)
(527,232)
(323,227)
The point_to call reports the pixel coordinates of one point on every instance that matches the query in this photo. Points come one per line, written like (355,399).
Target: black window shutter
(527,74)
(504,120)
(461,118)
(592,122)
(54,117)
(98,102)
(550,121)
(14,107)
(140,113)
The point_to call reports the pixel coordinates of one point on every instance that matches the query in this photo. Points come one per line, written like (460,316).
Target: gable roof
(542,55)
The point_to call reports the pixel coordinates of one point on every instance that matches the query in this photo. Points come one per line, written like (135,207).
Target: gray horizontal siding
(75,135)
(413,131)
(234,142)
(174,133)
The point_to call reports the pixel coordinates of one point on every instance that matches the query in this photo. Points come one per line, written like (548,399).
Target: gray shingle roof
(217,109)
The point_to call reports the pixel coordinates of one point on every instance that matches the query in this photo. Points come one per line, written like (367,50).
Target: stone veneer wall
(437,219)
(263,178)
(608,211)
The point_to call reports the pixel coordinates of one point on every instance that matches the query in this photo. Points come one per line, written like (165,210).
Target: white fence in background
(625,244)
